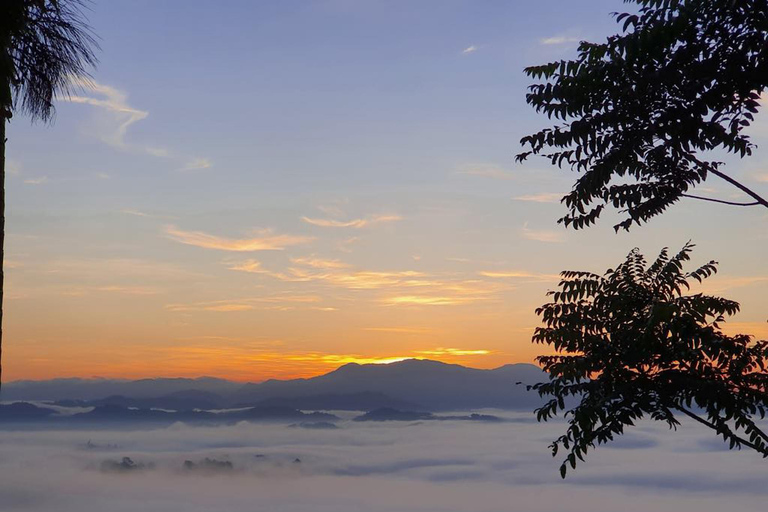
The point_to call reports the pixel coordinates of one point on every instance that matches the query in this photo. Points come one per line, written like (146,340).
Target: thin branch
(714,427)
(761,200)
(732,203)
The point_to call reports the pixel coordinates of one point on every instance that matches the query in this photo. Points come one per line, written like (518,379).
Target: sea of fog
(376,467)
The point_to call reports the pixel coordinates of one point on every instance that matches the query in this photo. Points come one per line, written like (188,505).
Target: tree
(641,111)
(45,47)
(629,344)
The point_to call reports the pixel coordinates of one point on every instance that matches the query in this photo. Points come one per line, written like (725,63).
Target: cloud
(542,235)
(250,266)
(319,263)
(37,181)
(399,330)
(197,164)
(421,300)
(540,198)
(270,302)
(128,290)
(486,171)
(265,242)
(449,466)
(12,167)
(116,103)
(723,282)
(556,40)
(135,213)
(355,223)
(469,49)
(516,274)
(118,116)
(441,351)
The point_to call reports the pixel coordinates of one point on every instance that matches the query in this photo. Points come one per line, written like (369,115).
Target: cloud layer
(432,466)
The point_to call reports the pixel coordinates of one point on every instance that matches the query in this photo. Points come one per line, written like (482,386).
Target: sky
(273,189)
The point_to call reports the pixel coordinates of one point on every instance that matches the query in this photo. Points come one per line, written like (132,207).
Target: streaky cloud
(265,242)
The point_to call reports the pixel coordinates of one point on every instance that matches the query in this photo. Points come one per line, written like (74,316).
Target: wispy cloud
(721,283)
(541,235)
(441,351)
(424,300)
(399,330)
(555,40)
(116,103)
(250,266)
(319,263)
(37,181)
(485,170)
(12,167)
(469,49)
(119,116)
(540,198)
(135,213)
(265,241)
(354,223)
(516,274)
(197,164)
(273,302)
(128,290)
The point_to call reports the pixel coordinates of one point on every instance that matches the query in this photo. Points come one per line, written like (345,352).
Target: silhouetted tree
(629,344)
(45,45)
(640,111)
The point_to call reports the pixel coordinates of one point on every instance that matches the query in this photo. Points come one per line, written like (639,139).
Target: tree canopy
(641,111)
(45,47)
(631,344)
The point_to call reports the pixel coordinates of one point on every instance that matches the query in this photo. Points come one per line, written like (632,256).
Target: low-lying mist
(371,466)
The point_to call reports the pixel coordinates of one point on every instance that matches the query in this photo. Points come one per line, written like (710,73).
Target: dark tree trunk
(2,236)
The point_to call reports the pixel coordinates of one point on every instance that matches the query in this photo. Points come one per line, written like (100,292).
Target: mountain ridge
(426,384)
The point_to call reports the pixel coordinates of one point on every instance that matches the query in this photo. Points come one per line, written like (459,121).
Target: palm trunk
(2,236)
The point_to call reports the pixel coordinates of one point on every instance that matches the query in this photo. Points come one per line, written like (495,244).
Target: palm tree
(45,48)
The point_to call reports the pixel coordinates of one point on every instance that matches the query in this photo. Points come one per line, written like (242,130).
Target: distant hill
(94,389)
(22,412)
(433,385)
(388,414)
(411,385)
(363,401)
(178,401)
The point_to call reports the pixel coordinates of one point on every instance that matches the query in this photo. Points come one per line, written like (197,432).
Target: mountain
(94,389)
(410,385)
(433,385)
(178,401)
(362,401)
(388,414)
(22,412)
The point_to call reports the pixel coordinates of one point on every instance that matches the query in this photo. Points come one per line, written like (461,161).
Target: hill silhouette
(411,385)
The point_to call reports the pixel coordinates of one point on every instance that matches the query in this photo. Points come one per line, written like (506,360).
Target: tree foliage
(45,47)
(631,344)
(640,111)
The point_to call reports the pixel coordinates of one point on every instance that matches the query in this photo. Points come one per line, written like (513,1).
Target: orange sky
(285,200)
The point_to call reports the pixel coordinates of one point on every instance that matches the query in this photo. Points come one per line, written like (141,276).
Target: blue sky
(215,202)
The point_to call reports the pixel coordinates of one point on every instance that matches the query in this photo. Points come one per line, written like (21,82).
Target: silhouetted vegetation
(640,110)
(640,113)
(45,46)
(630,344)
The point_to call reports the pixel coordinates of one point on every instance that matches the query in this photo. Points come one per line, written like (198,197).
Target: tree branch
(732,203)
(718,429)
(760,200)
